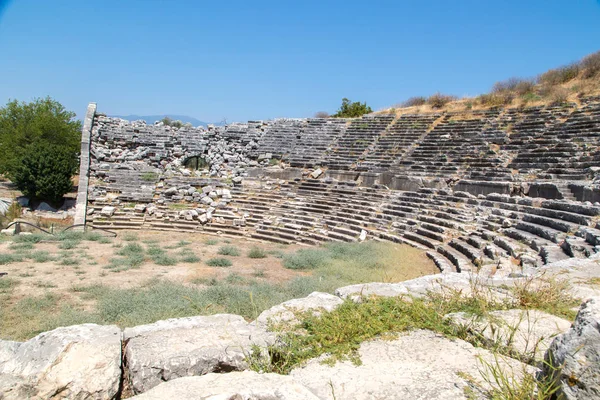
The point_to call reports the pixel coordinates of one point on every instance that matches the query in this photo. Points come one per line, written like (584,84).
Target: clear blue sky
(263,59)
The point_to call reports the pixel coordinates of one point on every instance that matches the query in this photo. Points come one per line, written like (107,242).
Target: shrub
(211,242)
(229,251)
(439,100)
(257,252)
(560,75)
(322,114)
(219,262)
(349,109)
(591,65)
(45,171)
(415,101)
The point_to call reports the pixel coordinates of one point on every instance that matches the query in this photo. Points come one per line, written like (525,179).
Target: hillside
(565,84)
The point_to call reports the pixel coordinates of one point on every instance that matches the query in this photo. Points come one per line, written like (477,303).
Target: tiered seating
(314,139)
(361,134)
(454,146)
(280,138)
(397,140)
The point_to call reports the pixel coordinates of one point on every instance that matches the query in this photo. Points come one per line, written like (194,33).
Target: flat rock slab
(176,348)
(76,362)
(244,385)
(528,332)
(287,312)
(417,365)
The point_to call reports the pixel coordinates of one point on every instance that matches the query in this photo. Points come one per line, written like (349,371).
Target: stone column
(84,165)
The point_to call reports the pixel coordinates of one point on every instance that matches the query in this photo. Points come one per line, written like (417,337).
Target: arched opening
(195,163)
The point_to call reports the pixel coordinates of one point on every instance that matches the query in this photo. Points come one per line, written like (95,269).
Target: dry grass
(87,279)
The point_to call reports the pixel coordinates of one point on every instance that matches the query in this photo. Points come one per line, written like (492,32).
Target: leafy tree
(349,109)
(44,121)
(45,172)
(170,122)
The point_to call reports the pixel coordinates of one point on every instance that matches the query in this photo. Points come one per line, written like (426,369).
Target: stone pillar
(84,165)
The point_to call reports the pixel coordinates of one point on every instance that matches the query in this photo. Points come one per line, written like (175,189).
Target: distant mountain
(150,119)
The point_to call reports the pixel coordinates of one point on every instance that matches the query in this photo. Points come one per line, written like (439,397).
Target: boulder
(76,362)
(232,386)
(175,348)
(575,355)
(287,311)
(417,365)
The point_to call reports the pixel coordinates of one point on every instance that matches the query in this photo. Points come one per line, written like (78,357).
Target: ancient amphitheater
(505,202)
(468,187)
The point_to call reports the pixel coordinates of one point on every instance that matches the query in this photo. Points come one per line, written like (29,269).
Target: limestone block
(175,348)
(78,362)
(287,311)
(578,352)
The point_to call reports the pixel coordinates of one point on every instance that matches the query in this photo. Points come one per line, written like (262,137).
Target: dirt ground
(92,258)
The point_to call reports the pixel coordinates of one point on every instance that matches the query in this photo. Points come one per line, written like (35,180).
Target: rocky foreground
(209,357)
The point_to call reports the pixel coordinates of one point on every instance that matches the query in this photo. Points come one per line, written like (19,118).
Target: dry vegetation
(141,277)
(557,86)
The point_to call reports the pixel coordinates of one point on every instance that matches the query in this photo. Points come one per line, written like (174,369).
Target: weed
(189,258)
(211,242)
(164,259)
(130,236)
(229,251)
(68,244)
(219,262)
(257,252)
(41,256)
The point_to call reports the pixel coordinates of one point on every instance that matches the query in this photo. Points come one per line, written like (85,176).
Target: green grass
(257,252)
(229,251)
(211,242)
(219,262)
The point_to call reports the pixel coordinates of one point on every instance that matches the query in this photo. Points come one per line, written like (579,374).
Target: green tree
(43,121)
(45,171)
(349,109)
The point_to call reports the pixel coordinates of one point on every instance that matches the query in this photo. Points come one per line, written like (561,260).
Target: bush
(44,172)
(257,252)
(219,262)
(591,65)
(322,114)
(349,109)
(43,122)
(439,100)
(415,101)
(560,75)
